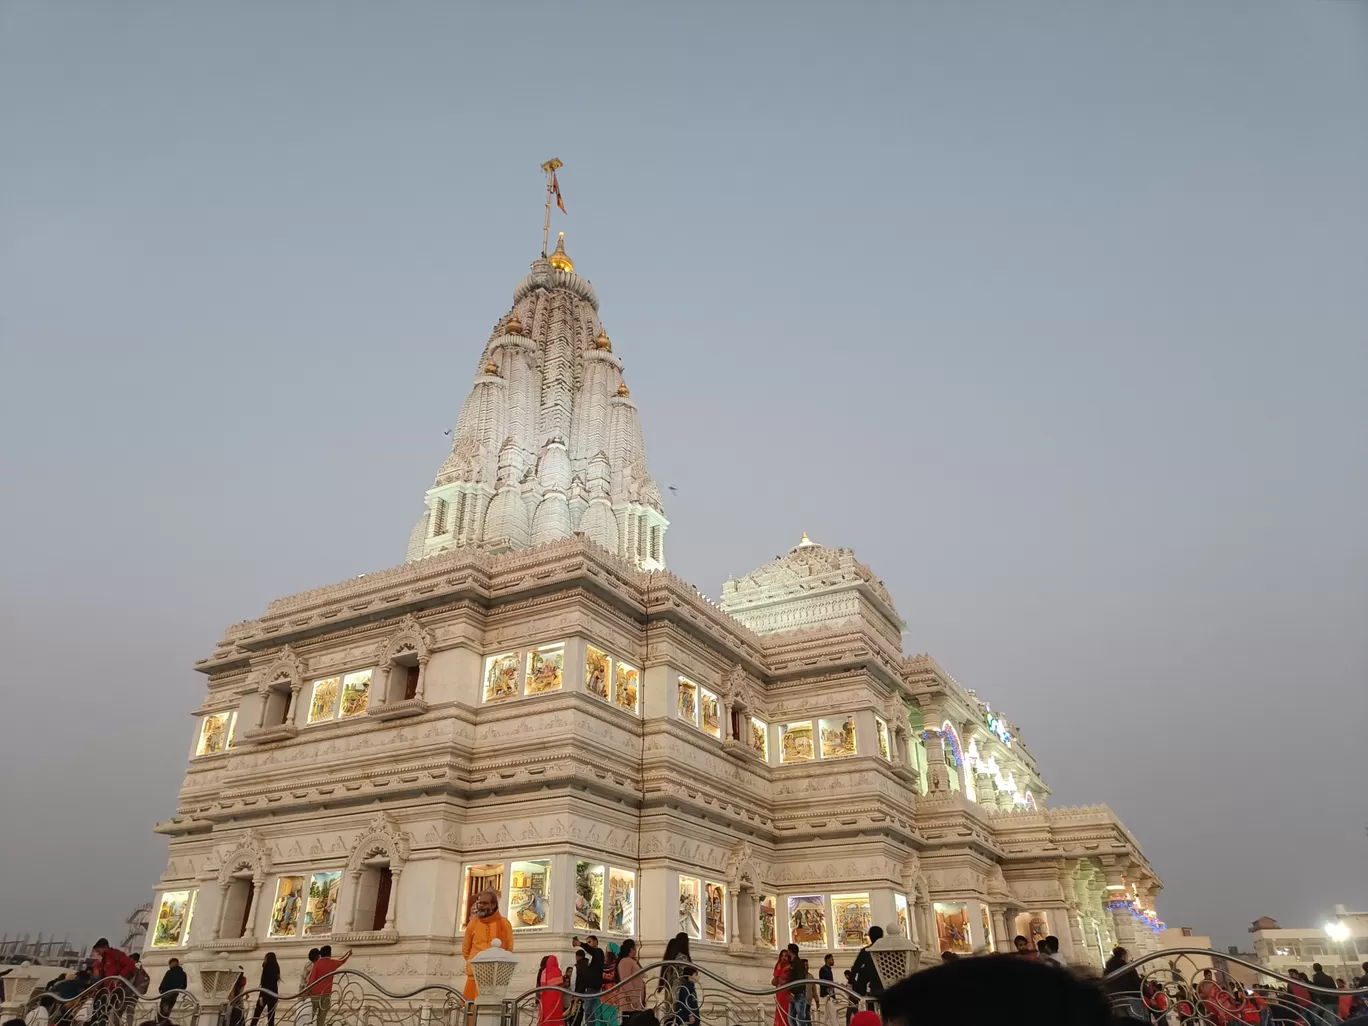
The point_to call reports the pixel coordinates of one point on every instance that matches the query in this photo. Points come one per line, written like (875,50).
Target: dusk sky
(1057,313)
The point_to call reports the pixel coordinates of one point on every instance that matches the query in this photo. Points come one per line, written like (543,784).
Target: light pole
(1339,933)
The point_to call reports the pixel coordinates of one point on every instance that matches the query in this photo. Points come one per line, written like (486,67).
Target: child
(686,1001)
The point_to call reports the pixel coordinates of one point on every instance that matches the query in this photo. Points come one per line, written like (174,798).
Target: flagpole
(550,168)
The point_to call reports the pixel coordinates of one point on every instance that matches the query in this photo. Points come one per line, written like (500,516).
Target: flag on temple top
(555,187)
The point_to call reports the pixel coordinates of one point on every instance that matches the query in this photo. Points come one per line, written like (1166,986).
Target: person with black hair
(270,990)
(173,981)
(993,990)
(686,1000)
(864,973)
(677,950)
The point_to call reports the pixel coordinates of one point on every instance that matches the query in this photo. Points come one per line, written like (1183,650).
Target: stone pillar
(222,910)
(261,707)
(420,690)
(252,901)
(1004,935)
(381,690)
(935,762)
(750,917)
(354,895)
(392,909)
(294,702)
(1058,922)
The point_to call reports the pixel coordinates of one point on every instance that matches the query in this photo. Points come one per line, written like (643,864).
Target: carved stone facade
(571,724)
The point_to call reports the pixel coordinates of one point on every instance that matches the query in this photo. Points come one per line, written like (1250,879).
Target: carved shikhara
(413,794)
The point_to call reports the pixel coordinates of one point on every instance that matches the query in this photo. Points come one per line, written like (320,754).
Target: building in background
(1281,948)
(534,704)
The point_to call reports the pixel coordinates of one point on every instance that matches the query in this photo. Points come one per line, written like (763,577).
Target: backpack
(141,981)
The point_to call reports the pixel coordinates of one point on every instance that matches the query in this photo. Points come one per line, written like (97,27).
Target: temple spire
(552,189)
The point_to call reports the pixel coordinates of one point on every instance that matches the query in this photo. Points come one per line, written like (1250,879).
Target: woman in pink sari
(782,1000)
(552,1010)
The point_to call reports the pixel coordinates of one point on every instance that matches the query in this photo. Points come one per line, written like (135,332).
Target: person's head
(580,956)
(793,950)
(313,954)
(849,975)
(829,960)
(270,960)
(173,963)
(1050,945)
(628,949)
(786,957)
(1316,967)
(994,989)
(591,941)
(325,951)
(137,958)
(487,903)
(875,933)
(1206,974)
(1339,982)
(946,956)
(1021,944)
(100,945)
(1120,954)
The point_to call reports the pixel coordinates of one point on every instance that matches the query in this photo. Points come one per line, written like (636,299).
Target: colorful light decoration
(997,725)
(948,731)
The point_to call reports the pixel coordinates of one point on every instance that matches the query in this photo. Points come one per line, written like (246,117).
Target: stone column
(1004,935)
(222,911)
(294,701)
(381,691)
(252,895)
(261,710)
(354,893)
(733,926)
(392,908)
(421,687)
(935,762)
(750,917)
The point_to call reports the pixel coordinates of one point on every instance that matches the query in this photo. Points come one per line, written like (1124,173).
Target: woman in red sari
(552,1010)
(784,997)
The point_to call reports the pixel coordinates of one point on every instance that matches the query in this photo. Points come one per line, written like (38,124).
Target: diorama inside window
(808,921)
(952,927)
(172,928)
(322,903)
(501,676)
(323,698)
(904,917)
(709,712)
(478,879)
(987,926)
(545,668)
(597,670)
(529,896)
(620,902)
(687,700)
(758,737)
(216,733)
(714,911)
(852,919)
(355,693)
(690,906)
(588,896)
(838,737)
(287,910)
(769,923)
(795,742)
(625,687)
(881,732)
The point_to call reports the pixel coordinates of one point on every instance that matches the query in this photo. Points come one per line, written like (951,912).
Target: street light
(1339,933)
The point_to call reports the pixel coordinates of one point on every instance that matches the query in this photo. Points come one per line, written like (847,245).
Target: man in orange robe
(485,924)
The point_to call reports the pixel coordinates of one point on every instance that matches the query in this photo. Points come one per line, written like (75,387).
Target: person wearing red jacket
(115,970)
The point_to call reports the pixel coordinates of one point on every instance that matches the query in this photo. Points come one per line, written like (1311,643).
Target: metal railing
(1197,987)
(108,1002)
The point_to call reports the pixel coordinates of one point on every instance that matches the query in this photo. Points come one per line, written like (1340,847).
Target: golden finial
(512,326)
(623,390)
(491,367)
(805,541)
(603,342)
(560,259)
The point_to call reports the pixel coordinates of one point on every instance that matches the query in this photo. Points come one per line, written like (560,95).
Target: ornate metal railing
(356,999)
(721,1001)
(1197,987)
(112,1002)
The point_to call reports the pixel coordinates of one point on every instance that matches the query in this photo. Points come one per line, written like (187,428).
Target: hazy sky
(1056,312)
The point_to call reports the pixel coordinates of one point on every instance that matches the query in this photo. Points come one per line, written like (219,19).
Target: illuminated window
(501,676)
(838,737)
(758,737)
(545,669)
(690,906)
(340,697)
(355,693)
(851,915)
(589,895)
(807,916)
(709,712)
(598,669)
(795,742)
(619,904)
(477,880)
(626,690)
(686,700)
(172,927)
(714,911)
(529,895)
(881,732)
(323,699)
(216,733)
